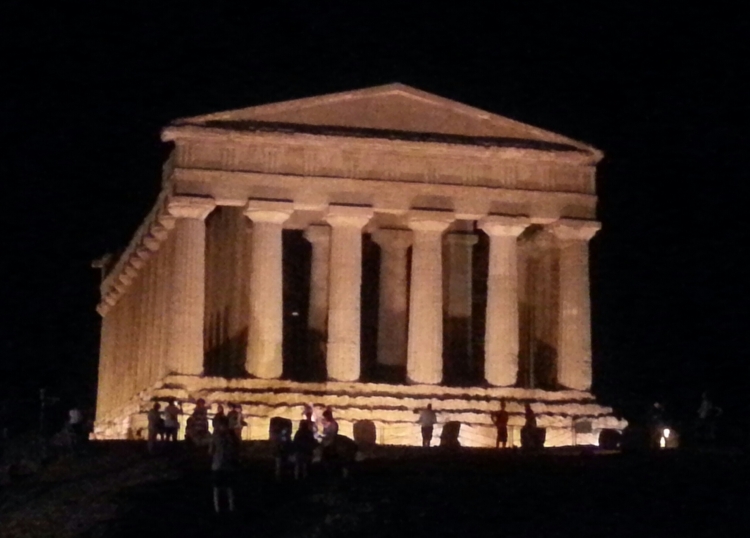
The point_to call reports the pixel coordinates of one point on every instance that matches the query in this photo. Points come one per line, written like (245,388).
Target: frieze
(428,165)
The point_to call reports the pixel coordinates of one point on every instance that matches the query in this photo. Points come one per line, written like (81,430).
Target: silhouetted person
(76,425)
(708,413)
(154,426)
(281,439)
(330,429)
(197,424)
(500,420)
(223,464)
(303,446)
(171,420)
(235,420)
(220,418)
(427,420)
(529,433)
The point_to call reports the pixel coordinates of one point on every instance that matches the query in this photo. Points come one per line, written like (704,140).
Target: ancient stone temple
(373,250)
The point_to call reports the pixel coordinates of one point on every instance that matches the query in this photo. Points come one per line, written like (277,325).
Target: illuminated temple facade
(375,251)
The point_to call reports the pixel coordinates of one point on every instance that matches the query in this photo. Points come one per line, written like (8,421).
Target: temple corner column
(187,302)
(574,342)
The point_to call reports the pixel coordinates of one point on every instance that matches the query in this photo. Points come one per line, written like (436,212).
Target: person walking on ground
(171,420)
(427,420)
(223,464)
(500,420)
(154,423)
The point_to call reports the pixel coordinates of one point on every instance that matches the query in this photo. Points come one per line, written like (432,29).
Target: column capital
(392,238)
(190,207)
(421,220)
(272,211)
(503,225)
(575,230)
(347,216)
(317,233)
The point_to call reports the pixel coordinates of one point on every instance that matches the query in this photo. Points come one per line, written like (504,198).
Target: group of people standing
(166,424)
(313,434)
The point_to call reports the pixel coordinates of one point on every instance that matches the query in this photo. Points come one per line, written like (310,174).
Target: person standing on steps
(500,420)
(171,420)
(427,420)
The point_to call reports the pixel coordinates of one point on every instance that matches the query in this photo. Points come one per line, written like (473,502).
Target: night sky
(86,91)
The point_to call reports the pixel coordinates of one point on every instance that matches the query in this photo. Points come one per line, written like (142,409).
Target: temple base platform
(373,412)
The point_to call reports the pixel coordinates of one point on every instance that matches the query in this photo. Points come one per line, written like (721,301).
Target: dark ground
(116,491)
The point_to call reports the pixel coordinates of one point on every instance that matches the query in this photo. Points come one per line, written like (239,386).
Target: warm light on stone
(194,303)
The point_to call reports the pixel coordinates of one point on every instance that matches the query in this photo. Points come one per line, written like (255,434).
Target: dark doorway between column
(296,257)
(538,310)
(463,364)
(370,295)
(480,272)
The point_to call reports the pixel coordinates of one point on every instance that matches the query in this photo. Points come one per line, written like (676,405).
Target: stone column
(424,363)
(574,343)
(393,303)
(501,327)
(344,299)
(264,355)
(188,292)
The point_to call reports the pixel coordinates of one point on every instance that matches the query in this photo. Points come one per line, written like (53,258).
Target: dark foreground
(116,490)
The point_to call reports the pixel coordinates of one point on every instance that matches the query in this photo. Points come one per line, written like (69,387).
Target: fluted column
(424,363)
(501,326)
(344,299)
(574,343)
(188,293)
(393,304)
(264,344)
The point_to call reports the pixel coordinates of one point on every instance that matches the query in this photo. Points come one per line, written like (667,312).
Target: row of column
(335,293)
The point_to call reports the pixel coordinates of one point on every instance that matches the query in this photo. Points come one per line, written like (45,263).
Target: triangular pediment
(390,108)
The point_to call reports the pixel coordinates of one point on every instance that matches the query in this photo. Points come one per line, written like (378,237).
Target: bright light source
(666,433)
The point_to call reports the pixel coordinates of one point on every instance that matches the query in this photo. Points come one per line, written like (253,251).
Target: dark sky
(86,90)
